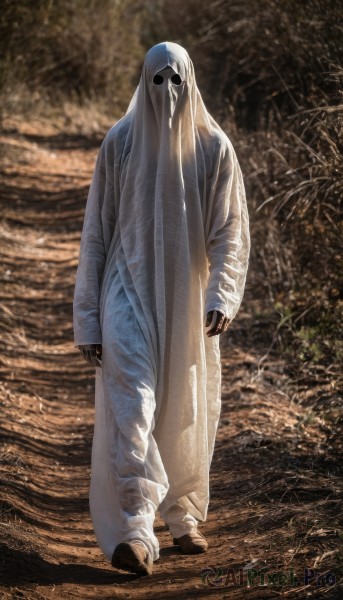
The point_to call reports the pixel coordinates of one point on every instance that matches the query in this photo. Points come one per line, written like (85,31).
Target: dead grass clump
(63,49)
(299,175)
(265,59)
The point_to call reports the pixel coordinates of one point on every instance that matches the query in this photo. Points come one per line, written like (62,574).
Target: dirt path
(276,487)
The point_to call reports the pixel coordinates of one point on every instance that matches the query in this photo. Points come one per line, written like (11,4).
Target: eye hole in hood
(158,79)
(176,79)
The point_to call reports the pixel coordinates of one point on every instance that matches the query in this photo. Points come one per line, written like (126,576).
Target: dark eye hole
(158,79)
(176,79)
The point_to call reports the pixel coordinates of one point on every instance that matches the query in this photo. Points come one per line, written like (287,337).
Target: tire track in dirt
(48,549)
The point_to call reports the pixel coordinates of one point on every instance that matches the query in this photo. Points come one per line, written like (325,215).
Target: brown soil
(276,485)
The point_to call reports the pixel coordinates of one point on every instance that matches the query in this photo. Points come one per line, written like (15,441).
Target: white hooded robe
(165,240)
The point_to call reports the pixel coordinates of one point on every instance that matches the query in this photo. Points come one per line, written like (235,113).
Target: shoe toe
(133,558)
(191,543)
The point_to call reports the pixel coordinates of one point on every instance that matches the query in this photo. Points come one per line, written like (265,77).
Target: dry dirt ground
(276,477)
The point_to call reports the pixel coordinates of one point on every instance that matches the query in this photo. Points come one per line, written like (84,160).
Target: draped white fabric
(165,240)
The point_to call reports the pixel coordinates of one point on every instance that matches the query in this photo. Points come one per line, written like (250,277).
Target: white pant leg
(179,520)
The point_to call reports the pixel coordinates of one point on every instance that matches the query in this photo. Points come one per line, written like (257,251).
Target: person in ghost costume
(162,267)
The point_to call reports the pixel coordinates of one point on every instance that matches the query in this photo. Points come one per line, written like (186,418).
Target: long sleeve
(228,239)
(97,229)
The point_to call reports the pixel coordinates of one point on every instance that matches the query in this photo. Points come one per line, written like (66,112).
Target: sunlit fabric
(165,240)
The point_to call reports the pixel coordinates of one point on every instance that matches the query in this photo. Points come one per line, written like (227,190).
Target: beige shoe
(191,543)
(132,557)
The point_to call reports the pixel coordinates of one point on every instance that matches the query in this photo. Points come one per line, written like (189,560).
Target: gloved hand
(217,322)
(92,353)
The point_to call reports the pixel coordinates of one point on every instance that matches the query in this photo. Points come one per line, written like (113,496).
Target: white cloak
(165,240)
